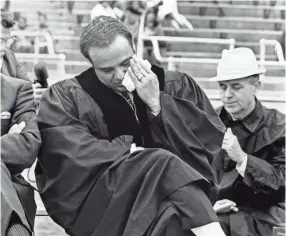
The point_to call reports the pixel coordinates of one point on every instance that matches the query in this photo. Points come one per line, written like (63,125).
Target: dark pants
(17,202)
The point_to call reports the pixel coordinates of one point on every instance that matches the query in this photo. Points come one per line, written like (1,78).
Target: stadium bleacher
(244,21)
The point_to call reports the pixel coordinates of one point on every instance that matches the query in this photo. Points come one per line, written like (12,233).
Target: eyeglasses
(7,23)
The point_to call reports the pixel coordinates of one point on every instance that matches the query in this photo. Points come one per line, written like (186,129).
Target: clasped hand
(232,147)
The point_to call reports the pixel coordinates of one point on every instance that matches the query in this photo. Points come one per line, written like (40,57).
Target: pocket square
(5,115)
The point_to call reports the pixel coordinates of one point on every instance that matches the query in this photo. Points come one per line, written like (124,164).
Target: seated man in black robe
(252,189)
(114,162)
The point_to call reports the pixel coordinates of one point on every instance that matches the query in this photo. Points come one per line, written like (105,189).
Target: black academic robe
(92,185)
(260,194)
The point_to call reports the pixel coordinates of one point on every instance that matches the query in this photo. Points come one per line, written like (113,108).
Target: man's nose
(228,92)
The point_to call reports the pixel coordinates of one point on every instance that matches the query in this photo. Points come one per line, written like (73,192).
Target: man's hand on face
(146,83)
(232,147)
(17,128)
(225,206)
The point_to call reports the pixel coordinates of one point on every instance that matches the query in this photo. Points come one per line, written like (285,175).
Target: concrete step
(235,22)
(215,48)
(241,10)
(66,22)
(238,35)
(207,55)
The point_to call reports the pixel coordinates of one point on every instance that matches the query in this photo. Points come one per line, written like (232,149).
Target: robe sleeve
(188,126)
(73,155)
(267,176)
(19,150)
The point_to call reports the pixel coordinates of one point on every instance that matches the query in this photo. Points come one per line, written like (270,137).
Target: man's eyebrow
(107,68)
(126,60)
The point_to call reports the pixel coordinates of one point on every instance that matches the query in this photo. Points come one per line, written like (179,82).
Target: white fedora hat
(237,63)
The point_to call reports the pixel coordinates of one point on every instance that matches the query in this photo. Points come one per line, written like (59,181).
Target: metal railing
(171,60)
(35,57)
(278,49)
(280,64)
(38,44)
(58,59)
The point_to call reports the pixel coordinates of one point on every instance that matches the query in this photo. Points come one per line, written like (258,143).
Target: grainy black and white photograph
(143,118)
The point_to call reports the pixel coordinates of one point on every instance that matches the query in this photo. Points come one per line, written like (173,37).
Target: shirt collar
(252,121)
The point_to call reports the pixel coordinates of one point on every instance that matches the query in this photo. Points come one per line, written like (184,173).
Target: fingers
(143,65)
(132,76)
(229,137)
(138,71)
(229,131)
(22,125)
(224,201)
(13,129)
(224,206)
(37,85)
(235,209)
(39,91)
(17,128)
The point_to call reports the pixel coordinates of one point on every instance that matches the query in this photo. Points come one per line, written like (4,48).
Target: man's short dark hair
(102,32)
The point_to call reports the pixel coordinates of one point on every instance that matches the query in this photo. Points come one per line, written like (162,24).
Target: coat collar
(250,122)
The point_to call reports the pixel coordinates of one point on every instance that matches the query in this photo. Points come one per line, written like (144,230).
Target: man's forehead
(119,51)
(235,81)
(113,63)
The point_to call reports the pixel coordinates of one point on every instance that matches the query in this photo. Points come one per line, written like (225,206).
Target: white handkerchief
(5,115)
(127,81)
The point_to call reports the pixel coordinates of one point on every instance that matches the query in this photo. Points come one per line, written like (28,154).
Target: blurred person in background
(43,26)
(152,25)
(106,8)
(127,159)
(152,28)
(134,10)
(251,198)
(20,141)
(168,14)
(23,44)
(10,65)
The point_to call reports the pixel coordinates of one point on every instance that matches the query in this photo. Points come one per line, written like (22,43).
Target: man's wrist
(243,157)
(241,166)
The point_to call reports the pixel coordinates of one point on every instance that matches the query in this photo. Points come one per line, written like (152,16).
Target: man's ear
(256,87)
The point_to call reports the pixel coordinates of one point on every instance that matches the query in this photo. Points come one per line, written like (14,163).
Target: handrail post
(140,41)
(232,43)
(262,56)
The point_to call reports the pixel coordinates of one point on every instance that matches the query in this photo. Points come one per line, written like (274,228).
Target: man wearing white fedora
(252,168)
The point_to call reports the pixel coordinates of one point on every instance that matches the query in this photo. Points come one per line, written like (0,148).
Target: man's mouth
(229,103)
